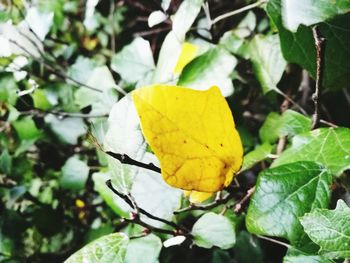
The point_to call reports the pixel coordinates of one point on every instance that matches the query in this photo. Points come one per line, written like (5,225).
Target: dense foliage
(68,126)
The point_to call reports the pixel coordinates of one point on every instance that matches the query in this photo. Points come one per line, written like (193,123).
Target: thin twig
(320,45)
(123,158)
(238,11)
(328,123)
(61,114)
(179,230)
(62,75)
(291,101)
(274,241)
(239,205)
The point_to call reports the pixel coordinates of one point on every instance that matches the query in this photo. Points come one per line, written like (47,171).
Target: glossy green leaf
(309,12)
(146,248)
(134,61)
(299,47)
(260,153)
(289,123)
(214,230)
(328,146)
(107,249)
(330,229)
(285,193)
(74,174)
(213,68)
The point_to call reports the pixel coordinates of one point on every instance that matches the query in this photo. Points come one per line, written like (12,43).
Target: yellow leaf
(193,135)
(187,54)
(197,197)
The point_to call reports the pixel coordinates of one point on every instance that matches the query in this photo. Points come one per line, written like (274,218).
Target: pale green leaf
(134,61)
(67,130)
(107,249)
(185,16)
(213,68)
(101,102)
(214,230)
(268,62)
(74,174)
(146,248)
(309,12)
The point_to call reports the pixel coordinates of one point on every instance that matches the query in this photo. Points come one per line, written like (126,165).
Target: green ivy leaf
(213,68)
(74,174)
(107,249)
(289,123)
(285,193)
(146,248)
(214,230)
(134,61)
(328,146)
(257,155)
(309,12)
(330,229)
(299,47)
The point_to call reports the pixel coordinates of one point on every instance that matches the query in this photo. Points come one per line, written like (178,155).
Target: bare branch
(238,11)
(179,230)
(320,45)
(123,158)
(239,205)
